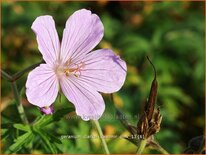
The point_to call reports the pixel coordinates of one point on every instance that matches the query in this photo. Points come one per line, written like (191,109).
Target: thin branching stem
(12,80)
(19,74)
(18,103)
(160,149)
(6,76)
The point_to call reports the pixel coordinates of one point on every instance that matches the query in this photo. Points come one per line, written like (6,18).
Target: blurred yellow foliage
(105,44)
(118,100)
(102,2)
(136,19)
(109,130)
(148,7)
(132,76)
(18,9)
(95,141)
(124,144)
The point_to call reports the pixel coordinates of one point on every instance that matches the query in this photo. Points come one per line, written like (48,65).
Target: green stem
(6,76)
(19,74)
(13,79)
(141,147)
(161,149)
(101,136)
(18,103)
(60,97)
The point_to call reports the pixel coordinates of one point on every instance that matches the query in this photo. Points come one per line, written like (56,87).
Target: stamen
(68,62)
(67,72)
(76,71)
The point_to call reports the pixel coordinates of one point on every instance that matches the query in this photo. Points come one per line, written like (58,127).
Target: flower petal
(88,102)
(82,33)
(47,38)
(42,86)
(104,70)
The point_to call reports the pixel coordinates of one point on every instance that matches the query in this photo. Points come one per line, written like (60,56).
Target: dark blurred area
(171,33)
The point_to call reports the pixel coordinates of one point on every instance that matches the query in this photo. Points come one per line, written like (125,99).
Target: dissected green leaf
(5,134)
(22,127)
(47,119)
(46,140)
(20,142)
(53,138)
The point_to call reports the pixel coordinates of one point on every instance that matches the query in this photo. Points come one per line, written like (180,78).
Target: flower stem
(160,149)
(142,145)
(101,136)
(5,75)
(18,103)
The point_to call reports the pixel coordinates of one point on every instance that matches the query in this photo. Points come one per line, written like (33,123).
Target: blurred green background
(170,33)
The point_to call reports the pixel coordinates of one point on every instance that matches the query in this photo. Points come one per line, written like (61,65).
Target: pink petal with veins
(47,38)
(88,102)
(42,86)
(104,71)
(82,33)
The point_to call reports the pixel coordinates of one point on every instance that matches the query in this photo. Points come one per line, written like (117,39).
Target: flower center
(70,68)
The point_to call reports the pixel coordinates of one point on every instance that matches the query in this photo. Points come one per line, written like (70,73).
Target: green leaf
(20,142)
(5,134)
(53,138)
(47,119)
(46,140)
(22,127)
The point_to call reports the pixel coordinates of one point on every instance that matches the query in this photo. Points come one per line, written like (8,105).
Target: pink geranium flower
(71,66)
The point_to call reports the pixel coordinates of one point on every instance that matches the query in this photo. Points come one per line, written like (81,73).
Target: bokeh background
(170,33)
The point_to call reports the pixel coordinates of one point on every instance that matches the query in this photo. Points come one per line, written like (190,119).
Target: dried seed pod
(150,105)
(132,129)
(143,125)
(158,117)
(155,123)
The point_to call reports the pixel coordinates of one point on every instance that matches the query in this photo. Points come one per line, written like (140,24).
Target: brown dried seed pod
(150,105)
